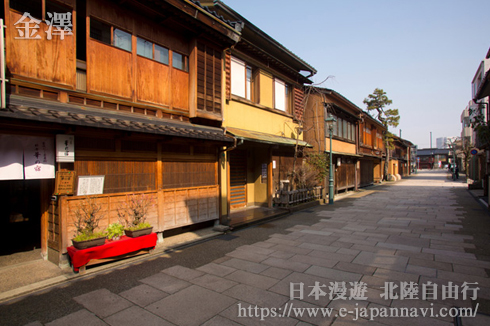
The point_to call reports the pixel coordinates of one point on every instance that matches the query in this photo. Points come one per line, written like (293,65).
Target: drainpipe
(223,220)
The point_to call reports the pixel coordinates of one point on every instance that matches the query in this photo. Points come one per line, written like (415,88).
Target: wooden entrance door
(238,179)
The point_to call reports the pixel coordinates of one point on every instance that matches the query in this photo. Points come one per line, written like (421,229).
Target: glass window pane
(238,77)
(161,54)
(144,48)
(178,61)
(248,84)
(122,39)
(100,31)
(279,95)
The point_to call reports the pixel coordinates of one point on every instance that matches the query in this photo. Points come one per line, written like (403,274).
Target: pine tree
(378,101)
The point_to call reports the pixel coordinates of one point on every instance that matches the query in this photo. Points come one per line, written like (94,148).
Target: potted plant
(87,218)
(133,213)
(115,231)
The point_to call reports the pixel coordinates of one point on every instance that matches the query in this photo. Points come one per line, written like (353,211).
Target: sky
(422,53)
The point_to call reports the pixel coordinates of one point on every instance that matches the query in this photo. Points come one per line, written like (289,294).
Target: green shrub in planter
(115,231)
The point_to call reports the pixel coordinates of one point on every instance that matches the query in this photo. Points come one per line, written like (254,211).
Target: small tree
(87,218)
(378,101)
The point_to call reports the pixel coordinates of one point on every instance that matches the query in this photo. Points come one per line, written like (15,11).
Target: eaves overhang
(260,137)
(68,114)
(263,41)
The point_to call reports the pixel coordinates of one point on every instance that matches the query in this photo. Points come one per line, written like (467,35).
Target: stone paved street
(425,231)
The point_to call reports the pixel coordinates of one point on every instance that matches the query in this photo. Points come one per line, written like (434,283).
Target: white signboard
(38,158)
(11,158)
(26,157)
(65,148)
(90,185)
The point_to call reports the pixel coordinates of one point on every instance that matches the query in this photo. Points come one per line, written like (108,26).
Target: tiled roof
(46,111)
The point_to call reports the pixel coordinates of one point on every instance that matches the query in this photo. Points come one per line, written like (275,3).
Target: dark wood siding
(238,179)
(120,176)
(208,79)
(367,172)
(189,174)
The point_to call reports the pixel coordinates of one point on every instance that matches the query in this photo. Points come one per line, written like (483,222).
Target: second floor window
(281,95)
(241,79)
(152,51)
(180,61)
(108,34)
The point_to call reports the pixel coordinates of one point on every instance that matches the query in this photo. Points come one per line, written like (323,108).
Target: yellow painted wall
(340,146)
(266,83)
(238,114)
(255,187)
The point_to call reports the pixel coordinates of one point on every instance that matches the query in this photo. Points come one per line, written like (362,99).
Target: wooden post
(269,179)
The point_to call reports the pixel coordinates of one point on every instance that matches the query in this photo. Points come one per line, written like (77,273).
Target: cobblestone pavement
(391,245)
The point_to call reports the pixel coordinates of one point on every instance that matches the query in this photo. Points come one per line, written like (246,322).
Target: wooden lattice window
(208,79)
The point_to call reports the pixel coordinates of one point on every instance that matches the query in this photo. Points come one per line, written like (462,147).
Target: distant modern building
(441,142)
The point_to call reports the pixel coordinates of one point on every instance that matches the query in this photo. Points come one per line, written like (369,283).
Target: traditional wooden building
(125,96)
(372,149)
(322,103)
(400,158)
(264,111)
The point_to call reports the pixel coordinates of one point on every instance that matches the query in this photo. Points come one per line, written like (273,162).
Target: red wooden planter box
(110,250)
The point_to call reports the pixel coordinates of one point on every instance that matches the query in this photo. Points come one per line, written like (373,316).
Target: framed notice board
(64,183)
(90,185)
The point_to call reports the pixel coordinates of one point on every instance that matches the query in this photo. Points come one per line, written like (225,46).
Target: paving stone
(415,255)
(165,283)
(256,296)
(277,273)
(279,241)
(247,255)
(103,302)
(191,307)
(374,249)
(332,256)
(256,249)
(286,264)
(355,268)
(183,273)
(292,249)
(79,318)
(419,270)
(314,246)
(477,271)
(282,254)
(220,321)
(260,281)
(333,274)
(214,283)
(397,263)
(35,323)
(245,265)
(136,316)
(399,247)
(313,261)
(323,233)
(390,275)
(216,269)
(143,295)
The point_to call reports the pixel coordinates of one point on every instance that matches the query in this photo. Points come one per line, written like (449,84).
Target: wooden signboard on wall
(64,183)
